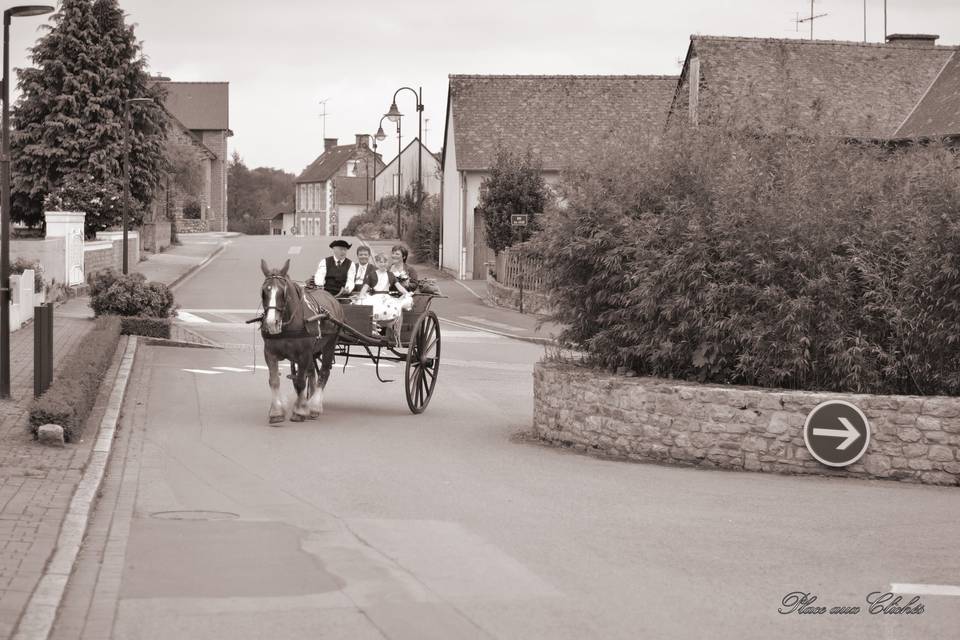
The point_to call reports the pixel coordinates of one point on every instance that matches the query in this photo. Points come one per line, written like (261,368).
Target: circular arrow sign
(836,433)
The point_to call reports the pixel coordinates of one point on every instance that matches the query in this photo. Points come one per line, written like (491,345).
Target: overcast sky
(282,57)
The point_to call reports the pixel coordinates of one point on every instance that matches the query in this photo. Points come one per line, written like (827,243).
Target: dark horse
(288,336)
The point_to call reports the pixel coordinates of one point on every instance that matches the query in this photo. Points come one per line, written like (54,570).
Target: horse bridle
(285,286)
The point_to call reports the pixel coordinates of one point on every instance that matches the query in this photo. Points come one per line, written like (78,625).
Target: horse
(288,336)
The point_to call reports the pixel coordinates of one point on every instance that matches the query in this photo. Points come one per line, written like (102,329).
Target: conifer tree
(67,143)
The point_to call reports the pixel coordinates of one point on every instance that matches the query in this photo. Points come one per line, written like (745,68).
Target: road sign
(519,219)
(836,433)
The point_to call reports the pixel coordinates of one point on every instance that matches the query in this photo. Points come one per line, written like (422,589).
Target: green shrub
(514,186)
(130,295)
(21,264)
(74,390)
(192,209)
(726,257)
(145,326)
(423,236)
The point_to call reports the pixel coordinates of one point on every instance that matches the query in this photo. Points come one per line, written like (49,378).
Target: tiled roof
(327,163)
(351,190)
(277,211)
(199,105)
(562,119)
(938,113)
(844,88)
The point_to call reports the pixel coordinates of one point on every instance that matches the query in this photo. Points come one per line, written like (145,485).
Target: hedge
(145,326)
(129,295)
(727,257)
(71,397)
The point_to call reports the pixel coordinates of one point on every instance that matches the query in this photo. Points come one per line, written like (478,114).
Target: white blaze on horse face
(272,318)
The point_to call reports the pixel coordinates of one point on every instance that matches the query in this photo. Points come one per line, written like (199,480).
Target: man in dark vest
(337,273)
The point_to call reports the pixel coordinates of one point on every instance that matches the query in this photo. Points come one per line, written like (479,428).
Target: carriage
(419,346)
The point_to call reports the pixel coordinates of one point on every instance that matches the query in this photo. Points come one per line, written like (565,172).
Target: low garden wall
(913,438)
(190,225)
(500,295)
(156,235)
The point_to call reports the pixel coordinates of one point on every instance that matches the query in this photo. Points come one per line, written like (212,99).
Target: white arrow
(849,432)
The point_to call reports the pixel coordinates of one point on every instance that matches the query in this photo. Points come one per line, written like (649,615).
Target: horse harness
(301,299)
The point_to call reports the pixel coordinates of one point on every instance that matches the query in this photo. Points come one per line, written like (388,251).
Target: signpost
(518,220)
(836,433)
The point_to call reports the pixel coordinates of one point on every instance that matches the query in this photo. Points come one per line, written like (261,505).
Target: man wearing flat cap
(336,273)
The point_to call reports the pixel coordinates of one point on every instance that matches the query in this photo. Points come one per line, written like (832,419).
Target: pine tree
(67,145)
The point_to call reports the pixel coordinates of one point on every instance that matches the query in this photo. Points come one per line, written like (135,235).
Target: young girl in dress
(375,292)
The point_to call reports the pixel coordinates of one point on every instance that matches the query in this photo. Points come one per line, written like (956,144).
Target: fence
(516,267)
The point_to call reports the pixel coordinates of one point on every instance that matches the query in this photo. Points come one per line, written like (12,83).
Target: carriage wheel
(423,362)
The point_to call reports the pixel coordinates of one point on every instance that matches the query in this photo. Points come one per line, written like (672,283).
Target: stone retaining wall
(499,295)
(190,225)
(913,438)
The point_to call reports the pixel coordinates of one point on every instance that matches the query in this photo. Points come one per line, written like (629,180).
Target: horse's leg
(300,411)
(312,392)
(277,414)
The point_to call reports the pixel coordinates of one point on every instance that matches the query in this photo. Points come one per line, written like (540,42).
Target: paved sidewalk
(38,482)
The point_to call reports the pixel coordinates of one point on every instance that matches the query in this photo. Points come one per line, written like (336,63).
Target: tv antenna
(323,115)
(809,19)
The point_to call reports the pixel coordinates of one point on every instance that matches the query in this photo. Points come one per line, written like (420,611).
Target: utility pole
(864,21)
(884,20)
(810,19)
(323,115)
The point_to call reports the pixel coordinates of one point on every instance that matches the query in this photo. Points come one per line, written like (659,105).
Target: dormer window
(353,168)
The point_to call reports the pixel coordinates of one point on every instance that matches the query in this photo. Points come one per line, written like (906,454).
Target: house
(200,115)
(854,89)
(335,187)
(282,220)
(386,178)
(938,112)
(563,120)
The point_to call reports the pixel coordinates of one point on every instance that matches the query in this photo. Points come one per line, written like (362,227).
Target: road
(371,522)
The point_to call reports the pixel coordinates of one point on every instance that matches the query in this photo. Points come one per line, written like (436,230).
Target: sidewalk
(38,482)
(466,306)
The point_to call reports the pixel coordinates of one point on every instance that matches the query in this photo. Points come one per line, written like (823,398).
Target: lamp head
(27,10)
(380,135)
(394,114)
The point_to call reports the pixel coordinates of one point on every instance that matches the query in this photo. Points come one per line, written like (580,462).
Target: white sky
(282,57)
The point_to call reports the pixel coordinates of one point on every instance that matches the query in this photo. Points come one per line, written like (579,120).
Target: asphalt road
(371,522)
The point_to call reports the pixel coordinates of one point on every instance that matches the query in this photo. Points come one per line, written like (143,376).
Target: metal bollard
(42,348)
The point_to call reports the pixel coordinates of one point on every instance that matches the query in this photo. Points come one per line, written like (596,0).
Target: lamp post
(394,115)
(379,136)
(126,167)
(18,12)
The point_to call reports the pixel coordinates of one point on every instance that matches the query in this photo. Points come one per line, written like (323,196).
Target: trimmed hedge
(145,326)
(727,257)
(129,295)
(71,397)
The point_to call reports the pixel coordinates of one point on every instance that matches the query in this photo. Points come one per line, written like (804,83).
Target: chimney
(912,39)
(363,141)
(329,143)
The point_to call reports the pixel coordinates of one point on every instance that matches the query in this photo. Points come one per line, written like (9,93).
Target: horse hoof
(276,419)
(314,415)
(296,418)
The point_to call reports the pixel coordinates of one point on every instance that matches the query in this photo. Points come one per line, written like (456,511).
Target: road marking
(294,250)
(469,334)
(373,364)
(481,364)
(204,371)
(233,369)
(250,311)
(499,325)
(477,295)
(186,316)
(925,589)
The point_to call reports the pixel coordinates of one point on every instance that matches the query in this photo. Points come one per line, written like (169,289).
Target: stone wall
(190,225)
(499,295)
(913,438)
(98,256)
(155,235)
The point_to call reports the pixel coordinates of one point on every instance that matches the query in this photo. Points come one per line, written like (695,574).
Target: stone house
(851,89)
(564,120)
(386,178)
(199,114)
(335,186)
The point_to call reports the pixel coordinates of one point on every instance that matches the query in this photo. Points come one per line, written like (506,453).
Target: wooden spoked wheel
(423,362)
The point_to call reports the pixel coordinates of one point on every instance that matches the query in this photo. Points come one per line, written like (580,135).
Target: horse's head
(273,296)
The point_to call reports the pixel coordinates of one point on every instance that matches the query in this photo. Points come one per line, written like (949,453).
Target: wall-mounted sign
(836,433)
(519,219)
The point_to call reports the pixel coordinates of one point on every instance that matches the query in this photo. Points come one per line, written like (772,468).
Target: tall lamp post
(18,12)
(127,124)
(394,115)
(379,136)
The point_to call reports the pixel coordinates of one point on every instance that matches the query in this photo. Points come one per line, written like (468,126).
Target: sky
(283,57)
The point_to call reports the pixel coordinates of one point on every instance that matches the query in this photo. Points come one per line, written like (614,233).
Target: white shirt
(321,273)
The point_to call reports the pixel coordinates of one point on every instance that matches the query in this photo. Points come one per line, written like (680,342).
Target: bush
(772,261)
(191,209)
(514,186)
(145,326)
(71,397)
(423,237)
(21,264)
(130,295)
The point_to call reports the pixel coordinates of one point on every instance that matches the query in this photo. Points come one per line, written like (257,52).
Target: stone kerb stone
(913,438)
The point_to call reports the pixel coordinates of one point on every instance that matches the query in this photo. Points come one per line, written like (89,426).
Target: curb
(38,618)
(534,340)
(189,272)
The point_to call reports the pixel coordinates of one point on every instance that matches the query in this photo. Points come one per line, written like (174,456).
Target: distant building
(335,187)
(201,113)
(282,220)
(386,179)
(563,120)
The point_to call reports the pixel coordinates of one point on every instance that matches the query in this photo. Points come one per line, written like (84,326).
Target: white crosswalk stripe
(204,371)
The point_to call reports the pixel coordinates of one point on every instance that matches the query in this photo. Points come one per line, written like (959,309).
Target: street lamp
(126,167)
(19,12)
(379,136)
(394,115)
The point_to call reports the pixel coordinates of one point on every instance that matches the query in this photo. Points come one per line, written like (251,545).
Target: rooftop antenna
(864,21)
(810,19)
(884,20)
(323,114)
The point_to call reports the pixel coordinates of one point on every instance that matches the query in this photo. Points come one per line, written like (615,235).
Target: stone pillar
(68,225)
